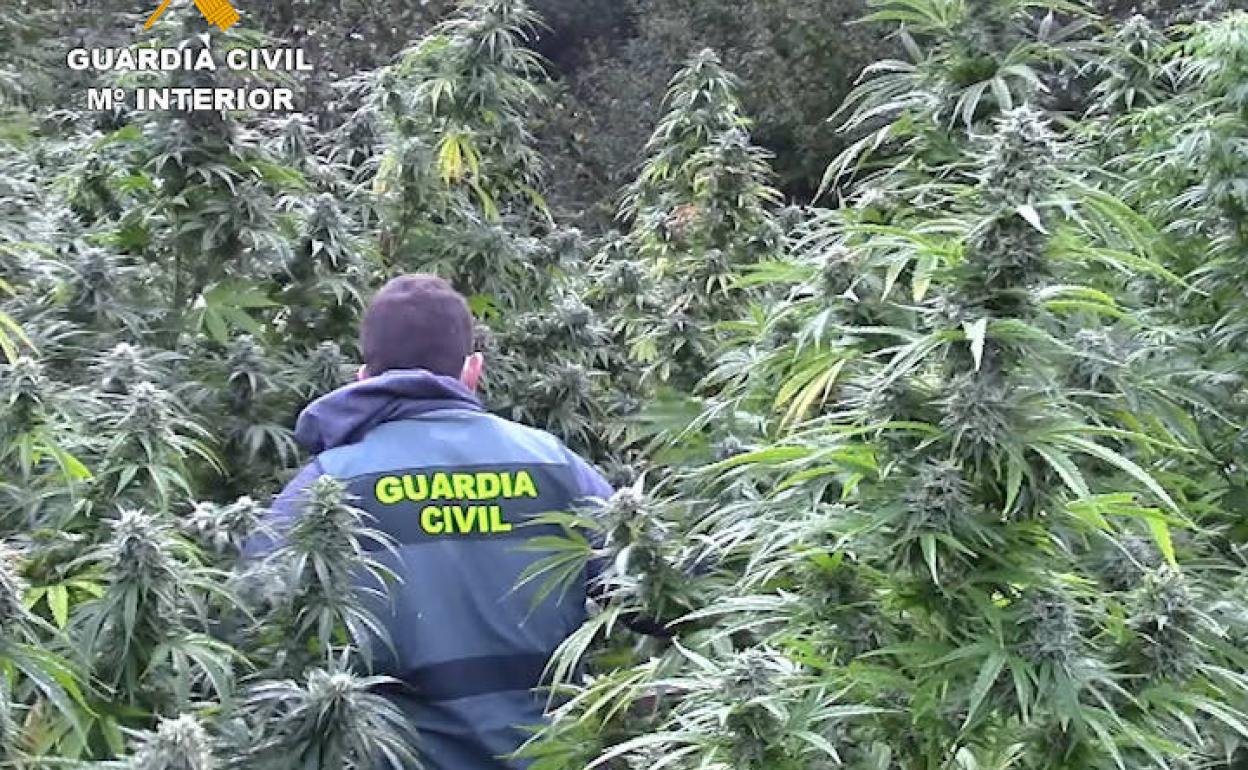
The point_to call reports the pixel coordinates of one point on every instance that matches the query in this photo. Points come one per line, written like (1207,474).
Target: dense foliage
(941,469)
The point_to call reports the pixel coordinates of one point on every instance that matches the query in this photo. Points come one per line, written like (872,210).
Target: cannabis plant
(146,632)
(331,719)
(699,211)
(319,562)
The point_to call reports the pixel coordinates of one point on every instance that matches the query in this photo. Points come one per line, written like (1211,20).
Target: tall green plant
(699,211)
(460,172)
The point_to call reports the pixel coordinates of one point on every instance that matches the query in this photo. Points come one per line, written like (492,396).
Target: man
(450,483)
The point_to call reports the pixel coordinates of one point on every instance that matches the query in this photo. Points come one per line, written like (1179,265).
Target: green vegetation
(942,468)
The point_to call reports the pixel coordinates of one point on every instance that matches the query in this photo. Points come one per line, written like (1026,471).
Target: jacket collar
(348,413)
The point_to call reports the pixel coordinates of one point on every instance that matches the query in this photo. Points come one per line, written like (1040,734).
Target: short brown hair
(416,321)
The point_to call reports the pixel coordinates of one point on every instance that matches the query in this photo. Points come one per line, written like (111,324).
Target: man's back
(452,485)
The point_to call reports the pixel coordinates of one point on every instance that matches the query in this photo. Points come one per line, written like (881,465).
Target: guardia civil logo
(239,93)
(219,13)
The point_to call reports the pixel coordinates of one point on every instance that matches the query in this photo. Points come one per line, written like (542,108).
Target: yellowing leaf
(456,157)
(817,389)
(451,159)
(1161,535)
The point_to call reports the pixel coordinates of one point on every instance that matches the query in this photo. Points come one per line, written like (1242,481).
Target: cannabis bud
(754,673)
(1164,619)
(875,202)
(679,325)
(96,273)
(348,726)
(977,413)
(749,680)
(27,388)
(1021,156)
(880,400)
(950,309)
(573,313)
(1124,567)
(484,339)
(836,272)
(567,384)
(782,331)
(625,278)
(937,496)
(294,138)
(637,540)
(12,590)
(120,366)
(1096,358)
(327,520)
(1136,35)
(790,217)
(177,744)
(327,367)
(140,549)
(1049,627)
(1005,253)
(575,320)
(624,507)
(26,380)
(564,245)
(625,405)
(833,591)
(247,367)
(530,331)
(224,528)
(146,409)
(325,215)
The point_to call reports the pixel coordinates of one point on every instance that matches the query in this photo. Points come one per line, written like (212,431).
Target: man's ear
(361,373)
(474,365)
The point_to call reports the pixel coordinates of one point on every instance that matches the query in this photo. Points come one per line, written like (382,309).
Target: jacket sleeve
(592,487)
(282,513)
(591,482)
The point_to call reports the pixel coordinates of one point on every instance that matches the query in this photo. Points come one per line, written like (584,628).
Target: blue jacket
(450,482)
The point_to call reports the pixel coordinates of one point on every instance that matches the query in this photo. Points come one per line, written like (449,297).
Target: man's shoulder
(540,442)
(587,479)
(492,439)
(546,447)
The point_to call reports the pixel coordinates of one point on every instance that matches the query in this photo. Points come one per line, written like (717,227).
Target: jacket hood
(346,414)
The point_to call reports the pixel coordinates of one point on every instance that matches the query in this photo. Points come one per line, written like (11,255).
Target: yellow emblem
(218,12)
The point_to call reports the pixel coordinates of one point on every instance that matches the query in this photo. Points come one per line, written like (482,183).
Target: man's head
(419,322)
